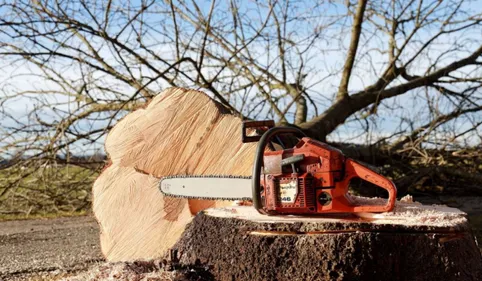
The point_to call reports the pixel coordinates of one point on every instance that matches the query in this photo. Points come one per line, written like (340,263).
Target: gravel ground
(37,249)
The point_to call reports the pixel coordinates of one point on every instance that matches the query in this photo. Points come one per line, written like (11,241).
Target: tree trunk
(413,243)
(179,132)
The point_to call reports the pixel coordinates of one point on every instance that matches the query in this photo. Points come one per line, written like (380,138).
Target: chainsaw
(307,179)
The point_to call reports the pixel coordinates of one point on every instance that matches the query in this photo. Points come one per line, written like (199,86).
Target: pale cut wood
(179,132)
(135,221)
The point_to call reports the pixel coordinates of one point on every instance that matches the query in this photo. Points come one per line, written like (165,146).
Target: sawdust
(406,212)
(407,199)
(148,270)
(410,212)
(125,271)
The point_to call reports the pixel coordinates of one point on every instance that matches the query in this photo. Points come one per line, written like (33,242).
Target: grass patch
(45,190)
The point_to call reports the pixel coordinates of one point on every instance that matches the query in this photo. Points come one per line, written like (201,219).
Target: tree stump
(186,132)
(179,132)
(415,242)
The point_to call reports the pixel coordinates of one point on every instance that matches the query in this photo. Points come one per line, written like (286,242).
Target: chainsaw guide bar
(209,187)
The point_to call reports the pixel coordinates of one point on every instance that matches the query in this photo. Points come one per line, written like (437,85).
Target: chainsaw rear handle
(263,125)
(354,169)
(258,160)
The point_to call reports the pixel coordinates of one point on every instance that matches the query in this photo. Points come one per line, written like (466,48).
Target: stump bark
(179,132)
(413,243)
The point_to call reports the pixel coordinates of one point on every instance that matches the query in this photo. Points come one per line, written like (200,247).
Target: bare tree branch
(350,58)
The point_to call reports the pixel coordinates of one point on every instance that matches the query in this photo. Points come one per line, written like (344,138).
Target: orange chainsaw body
(320,184)
(310,178)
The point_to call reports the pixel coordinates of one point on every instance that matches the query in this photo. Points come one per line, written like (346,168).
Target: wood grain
(179,132)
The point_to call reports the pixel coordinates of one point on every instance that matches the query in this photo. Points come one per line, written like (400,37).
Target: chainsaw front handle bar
(258,160)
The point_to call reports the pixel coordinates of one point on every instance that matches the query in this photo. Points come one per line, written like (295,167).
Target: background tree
(399,78)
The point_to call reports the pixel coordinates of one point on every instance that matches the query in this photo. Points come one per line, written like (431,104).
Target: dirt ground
(46,249)
(53,248)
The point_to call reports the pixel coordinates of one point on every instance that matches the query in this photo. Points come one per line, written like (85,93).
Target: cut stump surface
(415,242)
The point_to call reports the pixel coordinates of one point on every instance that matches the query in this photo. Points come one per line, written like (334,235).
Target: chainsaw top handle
(258,161)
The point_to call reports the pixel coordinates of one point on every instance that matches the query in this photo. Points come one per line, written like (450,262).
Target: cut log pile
(184,132)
